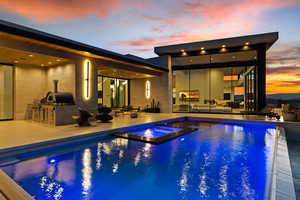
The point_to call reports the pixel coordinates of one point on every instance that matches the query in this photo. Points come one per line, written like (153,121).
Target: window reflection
(99,154)
(137,159)
(86,172)
(51,188)
(147,150)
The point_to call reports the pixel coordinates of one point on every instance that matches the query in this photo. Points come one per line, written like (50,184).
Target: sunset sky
(136,26)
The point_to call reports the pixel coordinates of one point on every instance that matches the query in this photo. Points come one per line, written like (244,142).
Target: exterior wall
(33,83)
(29,86)
(65,75)
(159,92)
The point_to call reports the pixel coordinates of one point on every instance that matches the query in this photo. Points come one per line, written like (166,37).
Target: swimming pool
(216,161)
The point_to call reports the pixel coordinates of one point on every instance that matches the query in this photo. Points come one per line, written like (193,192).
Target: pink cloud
(206,19)
(52,10)
(222,10)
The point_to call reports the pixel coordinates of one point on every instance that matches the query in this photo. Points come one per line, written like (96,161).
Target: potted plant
(288,112)
(154,107)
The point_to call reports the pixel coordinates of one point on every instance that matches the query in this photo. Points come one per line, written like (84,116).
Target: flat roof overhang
(266,38)
(54,41)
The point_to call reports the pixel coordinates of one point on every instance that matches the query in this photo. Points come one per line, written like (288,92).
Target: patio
(21,132)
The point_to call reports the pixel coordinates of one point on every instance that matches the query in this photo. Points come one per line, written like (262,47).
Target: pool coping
(275,184)
(282,184)
(10,190)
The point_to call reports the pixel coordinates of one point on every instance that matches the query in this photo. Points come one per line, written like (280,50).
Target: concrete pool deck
(18,133)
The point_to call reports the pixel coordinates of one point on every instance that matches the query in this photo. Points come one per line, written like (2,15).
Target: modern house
(226,75)
(221,76)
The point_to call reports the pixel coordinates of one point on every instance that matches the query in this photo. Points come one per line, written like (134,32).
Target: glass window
(6,92)
(221,90)
(199,90)
(221,96)
(238,89)
(113,92)
(181,93)
(250,89)
(100,90)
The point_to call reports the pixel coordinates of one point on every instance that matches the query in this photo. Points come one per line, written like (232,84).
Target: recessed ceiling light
(16,61)
(247,43)
(223,46)
(30,55)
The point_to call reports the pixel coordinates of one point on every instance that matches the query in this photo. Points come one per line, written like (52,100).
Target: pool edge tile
(282,179)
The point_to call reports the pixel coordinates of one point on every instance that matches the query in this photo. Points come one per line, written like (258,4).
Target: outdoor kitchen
(56,108)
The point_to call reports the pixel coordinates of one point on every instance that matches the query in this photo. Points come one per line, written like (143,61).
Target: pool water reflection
(218,161)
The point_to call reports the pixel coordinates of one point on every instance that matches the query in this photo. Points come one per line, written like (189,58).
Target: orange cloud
(52,10)
(283,79)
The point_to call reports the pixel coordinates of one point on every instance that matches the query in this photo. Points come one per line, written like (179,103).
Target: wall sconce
(147,89)
(87,79)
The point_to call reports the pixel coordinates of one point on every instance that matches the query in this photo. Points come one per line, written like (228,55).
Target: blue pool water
(153,131)
(218,161)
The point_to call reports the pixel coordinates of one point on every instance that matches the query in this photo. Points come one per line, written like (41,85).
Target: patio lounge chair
(83,118)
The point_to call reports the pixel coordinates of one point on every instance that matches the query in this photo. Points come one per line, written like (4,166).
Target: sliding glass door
(6,92)
(113,92)
(218,90)
(250,89)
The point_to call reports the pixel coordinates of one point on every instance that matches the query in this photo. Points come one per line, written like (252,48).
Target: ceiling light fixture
(223,46)
(202,48)
(16,61)
(202,51)
(247,43)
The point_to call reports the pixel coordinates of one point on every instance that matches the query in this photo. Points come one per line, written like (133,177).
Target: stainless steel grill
(58,98)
